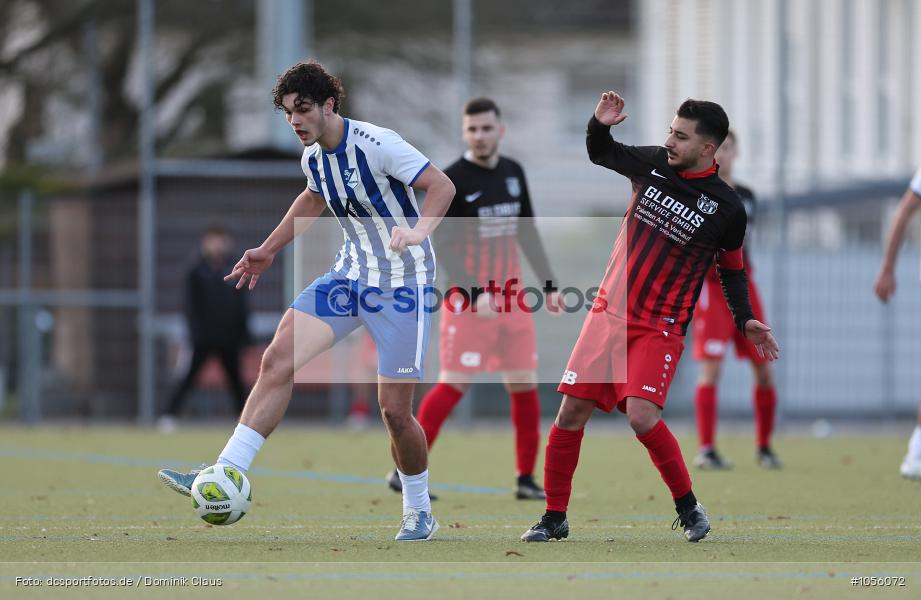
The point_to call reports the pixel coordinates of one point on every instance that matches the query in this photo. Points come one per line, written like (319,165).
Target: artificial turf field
(81,502)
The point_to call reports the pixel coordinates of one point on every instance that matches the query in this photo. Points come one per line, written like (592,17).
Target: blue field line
(128,461)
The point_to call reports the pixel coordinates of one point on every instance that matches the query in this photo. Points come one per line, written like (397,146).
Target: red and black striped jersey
(490,217)
(675,226)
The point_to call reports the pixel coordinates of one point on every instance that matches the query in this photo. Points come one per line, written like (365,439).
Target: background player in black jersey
(489,218)
(681,217)
(714,331)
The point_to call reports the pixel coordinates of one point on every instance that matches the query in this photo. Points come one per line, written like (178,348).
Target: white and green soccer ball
(221,495)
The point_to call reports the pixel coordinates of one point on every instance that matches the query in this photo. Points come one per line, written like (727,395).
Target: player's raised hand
(760,335)
(610,109)
(250,266)
(884,286)
(403,237)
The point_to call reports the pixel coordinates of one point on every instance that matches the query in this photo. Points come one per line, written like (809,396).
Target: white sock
(416,491)
(241,448)
(914,442)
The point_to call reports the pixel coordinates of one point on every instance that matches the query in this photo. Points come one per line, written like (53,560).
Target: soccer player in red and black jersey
(713,330)
(489,219)
(682,216)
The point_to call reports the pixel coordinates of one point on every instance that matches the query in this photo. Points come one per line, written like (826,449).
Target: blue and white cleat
(417,526)
(179,482)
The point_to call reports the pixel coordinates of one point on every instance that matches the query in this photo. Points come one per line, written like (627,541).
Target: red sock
(559,465)
(666,456)
(526,419)
(705,405)
(765,408)
(435,408)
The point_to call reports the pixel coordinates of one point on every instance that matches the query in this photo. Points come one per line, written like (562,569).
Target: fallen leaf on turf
(651,498)
(457,526)
(513,553)
(376,501)
(170,539)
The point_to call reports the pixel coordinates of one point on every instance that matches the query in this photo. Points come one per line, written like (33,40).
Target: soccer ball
(221,495)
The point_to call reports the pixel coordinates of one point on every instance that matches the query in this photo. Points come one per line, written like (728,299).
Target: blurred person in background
(885,288)
(365,175)
(217,316)
(714,331)
(490,216)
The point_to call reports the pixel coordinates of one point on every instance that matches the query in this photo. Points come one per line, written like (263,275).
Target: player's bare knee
(642,415)
(574,413)
(277,365)
(396,418)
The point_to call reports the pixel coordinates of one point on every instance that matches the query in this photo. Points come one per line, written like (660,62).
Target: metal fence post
(29,338)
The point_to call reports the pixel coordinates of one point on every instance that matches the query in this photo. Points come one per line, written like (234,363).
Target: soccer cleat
(768,460)
(695,523)
(179,482)
(527,489)
(417,525)
(546,529)
(711,460)
(911,468)
(394,483)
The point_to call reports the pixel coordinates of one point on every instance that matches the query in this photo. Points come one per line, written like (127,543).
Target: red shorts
(714,328)
(613,361)
(471,344)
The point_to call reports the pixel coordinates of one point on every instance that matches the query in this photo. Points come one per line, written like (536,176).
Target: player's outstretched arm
(885,281)
(303,212)
(439,191)
(760,335)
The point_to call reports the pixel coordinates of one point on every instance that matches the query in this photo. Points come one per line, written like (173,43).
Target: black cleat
(695,523)
(767,459)
(394,483)
(711,460)
(527,489)
(547,529)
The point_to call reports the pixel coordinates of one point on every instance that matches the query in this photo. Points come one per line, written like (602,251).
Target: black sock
(556,515)
(526,480)
(686,502)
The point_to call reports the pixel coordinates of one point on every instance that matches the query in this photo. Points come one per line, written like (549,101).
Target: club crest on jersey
(706,206)
(350,177)
(514,186)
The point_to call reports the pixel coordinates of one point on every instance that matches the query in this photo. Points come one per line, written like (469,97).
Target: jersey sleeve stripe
(424,167)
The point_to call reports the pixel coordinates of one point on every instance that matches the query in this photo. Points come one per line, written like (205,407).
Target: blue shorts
(396,319)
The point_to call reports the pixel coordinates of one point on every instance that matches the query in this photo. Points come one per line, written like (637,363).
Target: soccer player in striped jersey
(681,217)
(713,331)
(885,288)
(365,175)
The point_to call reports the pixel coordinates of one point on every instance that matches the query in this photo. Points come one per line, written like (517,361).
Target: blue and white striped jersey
(366,183)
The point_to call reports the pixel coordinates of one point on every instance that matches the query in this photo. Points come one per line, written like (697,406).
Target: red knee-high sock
(705,405)
(559,465)
(526,419)
(435,408)
(765,408)
(666,456)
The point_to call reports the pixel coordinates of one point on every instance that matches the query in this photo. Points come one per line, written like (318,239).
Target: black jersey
(494,216)
(674,227)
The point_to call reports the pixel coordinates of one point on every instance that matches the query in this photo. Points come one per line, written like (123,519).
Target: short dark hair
(312,84)
(710,117)
(481,104)
(216,229)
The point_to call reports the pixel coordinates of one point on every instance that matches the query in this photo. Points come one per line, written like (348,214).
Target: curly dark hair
(312,84)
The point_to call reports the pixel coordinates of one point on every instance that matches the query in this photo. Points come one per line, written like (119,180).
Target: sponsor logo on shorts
(569,377)
(405,370)
(471,359)
(649,388)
